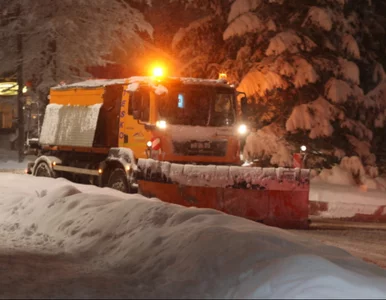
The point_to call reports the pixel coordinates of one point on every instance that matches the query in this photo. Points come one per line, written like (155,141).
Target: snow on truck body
(107,132)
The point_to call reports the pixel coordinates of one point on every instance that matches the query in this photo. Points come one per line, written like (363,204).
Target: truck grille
(200,148)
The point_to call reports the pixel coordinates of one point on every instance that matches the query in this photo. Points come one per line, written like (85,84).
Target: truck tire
(43,170)
(118,181)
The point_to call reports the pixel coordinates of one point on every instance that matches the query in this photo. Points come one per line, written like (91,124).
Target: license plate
(200,145)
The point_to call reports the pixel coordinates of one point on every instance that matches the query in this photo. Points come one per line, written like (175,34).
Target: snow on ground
(366,243)
(93,242)
(9,161)
(347,197)
(347,201)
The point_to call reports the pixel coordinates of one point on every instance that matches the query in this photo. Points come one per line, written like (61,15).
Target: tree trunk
(20,83)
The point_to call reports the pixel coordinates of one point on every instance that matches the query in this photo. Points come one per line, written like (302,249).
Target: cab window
(139,105)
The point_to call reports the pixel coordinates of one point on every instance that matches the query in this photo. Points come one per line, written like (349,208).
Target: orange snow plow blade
(273,196)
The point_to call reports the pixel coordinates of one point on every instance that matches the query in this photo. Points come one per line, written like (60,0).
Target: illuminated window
(181,101)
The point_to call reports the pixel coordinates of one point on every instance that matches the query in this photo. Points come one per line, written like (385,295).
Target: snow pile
(362,148)
(168,251)
(335,175)
(351,172)
(348,201)
(354,165)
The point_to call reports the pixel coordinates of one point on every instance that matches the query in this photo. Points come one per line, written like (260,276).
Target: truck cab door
(135,113)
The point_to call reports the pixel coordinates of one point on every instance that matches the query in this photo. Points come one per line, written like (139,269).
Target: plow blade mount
(273,196)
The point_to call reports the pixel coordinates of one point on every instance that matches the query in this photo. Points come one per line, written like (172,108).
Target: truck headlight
(161,124)
(303,148)
(243,129)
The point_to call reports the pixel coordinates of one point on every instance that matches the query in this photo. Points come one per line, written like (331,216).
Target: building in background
(8,114)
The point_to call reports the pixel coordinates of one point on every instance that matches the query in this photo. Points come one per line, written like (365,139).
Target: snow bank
(336,175)
(344,201)
(351,172)
(165,250)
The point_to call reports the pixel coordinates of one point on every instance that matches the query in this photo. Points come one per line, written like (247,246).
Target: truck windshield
(197,106)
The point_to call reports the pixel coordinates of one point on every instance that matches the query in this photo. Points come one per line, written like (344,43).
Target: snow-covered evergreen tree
(62,38)
(199,46)
(308,67)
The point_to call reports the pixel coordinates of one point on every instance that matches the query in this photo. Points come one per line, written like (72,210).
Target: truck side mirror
(244,105)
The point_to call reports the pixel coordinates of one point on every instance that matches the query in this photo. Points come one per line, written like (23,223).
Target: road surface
(364,240)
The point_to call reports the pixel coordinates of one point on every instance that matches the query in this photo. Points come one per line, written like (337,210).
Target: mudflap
(274,196)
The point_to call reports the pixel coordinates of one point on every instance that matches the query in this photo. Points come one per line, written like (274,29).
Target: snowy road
(364,240)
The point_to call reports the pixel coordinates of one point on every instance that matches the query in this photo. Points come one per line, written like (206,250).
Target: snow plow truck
(176,139)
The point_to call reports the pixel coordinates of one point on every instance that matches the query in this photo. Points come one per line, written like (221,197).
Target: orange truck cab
(181,120)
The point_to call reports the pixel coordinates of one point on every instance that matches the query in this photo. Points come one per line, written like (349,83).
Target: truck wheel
(118,181)
(43,170)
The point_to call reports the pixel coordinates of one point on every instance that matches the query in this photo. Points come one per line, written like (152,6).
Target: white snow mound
(169,251)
